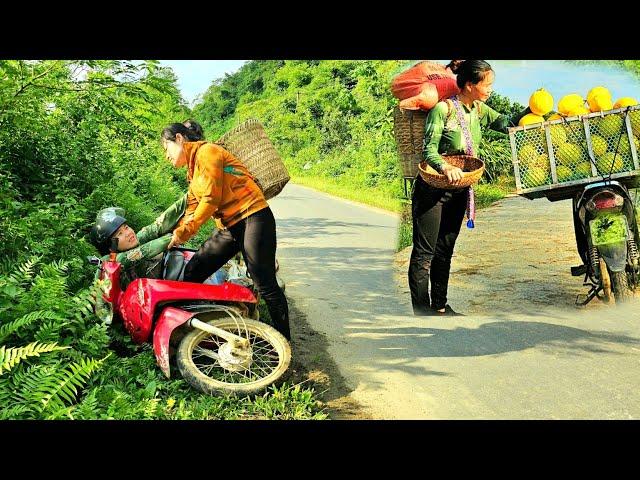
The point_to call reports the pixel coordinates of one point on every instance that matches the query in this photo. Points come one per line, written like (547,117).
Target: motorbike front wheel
(207,361)
(620,286)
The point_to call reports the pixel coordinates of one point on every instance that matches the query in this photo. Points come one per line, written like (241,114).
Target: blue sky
(195,76)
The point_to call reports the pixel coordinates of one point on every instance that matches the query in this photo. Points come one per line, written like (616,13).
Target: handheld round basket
(250,144)
(472,168)
(408,129)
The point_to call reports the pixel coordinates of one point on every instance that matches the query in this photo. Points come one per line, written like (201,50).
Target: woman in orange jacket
(220,186)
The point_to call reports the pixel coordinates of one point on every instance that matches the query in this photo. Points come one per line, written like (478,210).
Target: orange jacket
(219,186)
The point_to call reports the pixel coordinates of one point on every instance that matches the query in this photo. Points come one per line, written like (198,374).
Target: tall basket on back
(250,144)
(408,130)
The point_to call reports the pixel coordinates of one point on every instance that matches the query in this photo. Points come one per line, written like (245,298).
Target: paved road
(523,351)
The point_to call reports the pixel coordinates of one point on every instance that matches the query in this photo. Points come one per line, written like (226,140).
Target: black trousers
(255,237)
(437,217)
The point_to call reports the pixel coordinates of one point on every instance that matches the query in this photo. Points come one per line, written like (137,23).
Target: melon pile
(568,139)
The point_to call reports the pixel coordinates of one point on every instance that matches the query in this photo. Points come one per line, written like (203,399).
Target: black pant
(437,217)
(255,236)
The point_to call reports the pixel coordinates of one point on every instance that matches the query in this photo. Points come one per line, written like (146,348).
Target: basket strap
(471,201)
(464,127)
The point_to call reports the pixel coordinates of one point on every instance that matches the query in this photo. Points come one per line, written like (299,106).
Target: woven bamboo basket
(472,168)
(408,130)
(250,144)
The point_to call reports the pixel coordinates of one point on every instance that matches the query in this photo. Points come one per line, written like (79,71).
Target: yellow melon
(569,103)
(564,173)
(600,103)
(600,90)
(580,110)
(575,131)
(527,153)
(583,170)
(558,134)
(625,102)
(610,162)
(535,176)
(599,145)
(530,118)
(610,125)
(568,154)
(555,116)
(624,148)
(540,102)
(635,121)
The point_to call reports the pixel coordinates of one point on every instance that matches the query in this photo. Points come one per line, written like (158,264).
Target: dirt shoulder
(313,367)
(517,259)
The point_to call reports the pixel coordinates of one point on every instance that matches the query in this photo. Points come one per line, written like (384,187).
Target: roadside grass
(344,189)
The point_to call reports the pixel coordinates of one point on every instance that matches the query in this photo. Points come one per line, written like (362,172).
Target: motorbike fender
(615,256)
(170,319)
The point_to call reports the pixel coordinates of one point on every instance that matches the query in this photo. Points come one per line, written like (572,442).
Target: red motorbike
(213,330)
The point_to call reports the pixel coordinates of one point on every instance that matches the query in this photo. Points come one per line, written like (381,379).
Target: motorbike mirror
(93,260)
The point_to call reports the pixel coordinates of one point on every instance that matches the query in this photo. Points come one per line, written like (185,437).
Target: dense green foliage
(76,136)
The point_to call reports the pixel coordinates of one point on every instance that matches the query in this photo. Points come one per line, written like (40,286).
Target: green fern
(55,269)
(6,264)
(64,413)
(27,319)
(14,412)
(88,408)
(63,386)
(94,341)
(24,273)
(85,301)
(49,331)
(26,382)
(10,357)
(150,408)
(5,391)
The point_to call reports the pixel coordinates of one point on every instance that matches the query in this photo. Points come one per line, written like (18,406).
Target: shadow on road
(487,339)
(352,281)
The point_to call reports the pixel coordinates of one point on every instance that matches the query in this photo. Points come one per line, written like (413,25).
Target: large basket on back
(408,130)
(472,168)
(250,144)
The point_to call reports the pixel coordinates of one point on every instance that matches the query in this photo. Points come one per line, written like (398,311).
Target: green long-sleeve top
(443,134)
(153,240)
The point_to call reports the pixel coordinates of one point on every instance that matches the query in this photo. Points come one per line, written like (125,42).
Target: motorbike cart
(591,159)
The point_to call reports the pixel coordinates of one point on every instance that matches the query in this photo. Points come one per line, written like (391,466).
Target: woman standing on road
(220,186)
(452,127)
